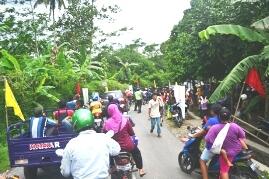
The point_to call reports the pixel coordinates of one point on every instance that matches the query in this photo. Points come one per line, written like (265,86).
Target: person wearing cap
(87,155)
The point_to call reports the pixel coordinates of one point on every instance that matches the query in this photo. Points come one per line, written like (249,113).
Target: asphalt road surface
(159,154)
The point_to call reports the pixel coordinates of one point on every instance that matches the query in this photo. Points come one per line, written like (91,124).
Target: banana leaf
(236,76)
(262,24)
(10,60)
(243,33)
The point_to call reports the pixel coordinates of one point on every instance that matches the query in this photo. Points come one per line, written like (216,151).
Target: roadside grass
(4,164)
(4,160)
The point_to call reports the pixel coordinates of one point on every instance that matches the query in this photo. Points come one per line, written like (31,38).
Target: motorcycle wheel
(186,162)
(243,173)
(30,172)
(179,122)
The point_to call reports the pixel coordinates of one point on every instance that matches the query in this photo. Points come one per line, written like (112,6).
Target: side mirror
(59,152)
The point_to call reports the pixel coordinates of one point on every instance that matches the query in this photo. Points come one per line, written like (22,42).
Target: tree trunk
(35,33)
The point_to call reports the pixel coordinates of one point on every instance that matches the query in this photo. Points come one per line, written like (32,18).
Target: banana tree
(126,69)
(258,33)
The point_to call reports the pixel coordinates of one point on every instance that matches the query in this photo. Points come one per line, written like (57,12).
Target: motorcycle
(124,165)
(188,160)
(176,114)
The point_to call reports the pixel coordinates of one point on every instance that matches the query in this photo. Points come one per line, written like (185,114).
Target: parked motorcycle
(243,167)
(176,114)
(125,165)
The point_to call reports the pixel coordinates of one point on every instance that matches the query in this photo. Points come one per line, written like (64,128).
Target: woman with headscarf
(123,135)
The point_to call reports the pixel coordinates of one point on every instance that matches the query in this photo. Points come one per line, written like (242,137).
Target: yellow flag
(11,101)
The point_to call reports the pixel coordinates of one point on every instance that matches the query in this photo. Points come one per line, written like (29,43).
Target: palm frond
(262,24)
(243,33)
(236,76)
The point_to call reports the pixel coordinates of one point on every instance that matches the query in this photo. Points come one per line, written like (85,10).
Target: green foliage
(23,31)
(190,59)
(236,76)
(242,32)
(253,103)
(239,72)
(115,85)
(4,158)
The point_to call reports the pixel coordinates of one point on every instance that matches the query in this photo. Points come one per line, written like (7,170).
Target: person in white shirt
(87,155)
(154,114)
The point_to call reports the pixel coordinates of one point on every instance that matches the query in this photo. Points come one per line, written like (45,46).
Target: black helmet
(225,114)
(216,108)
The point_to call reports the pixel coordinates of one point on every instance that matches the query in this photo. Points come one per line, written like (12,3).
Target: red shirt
(123,137)
(62,113)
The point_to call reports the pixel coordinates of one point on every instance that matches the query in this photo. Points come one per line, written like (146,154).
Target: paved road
(159,154)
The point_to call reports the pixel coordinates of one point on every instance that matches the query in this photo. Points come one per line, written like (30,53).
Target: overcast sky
(151,20)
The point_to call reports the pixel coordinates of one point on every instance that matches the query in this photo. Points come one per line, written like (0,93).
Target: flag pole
(238,103)
(5,101)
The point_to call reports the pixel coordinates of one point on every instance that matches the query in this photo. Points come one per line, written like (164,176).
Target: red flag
(254,81)
(78,89)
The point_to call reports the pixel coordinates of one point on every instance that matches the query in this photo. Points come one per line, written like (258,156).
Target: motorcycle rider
(124,135)
(87,155)
(207,154)
(96,106)
(232,144)
(111,100)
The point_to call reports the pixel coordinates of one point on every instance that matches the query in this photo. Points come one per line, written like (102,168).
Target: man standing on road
(87,155)
(154,114)
(138,100)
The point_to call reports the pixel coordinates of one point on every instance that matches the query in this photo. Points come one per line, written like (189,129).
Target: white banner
(85,93)
(179,92)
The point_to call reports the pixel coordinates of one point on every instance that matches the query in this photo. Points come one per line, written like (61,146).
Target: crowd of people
(95,148)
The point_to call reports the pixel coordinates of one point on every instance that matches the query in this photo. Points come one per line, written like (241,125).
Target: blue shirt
(210,122)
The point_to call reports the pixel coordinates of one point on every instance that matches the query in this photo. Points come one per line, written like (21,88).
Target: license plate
(124,167)
(253,166)
(97,120)
(175,115)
